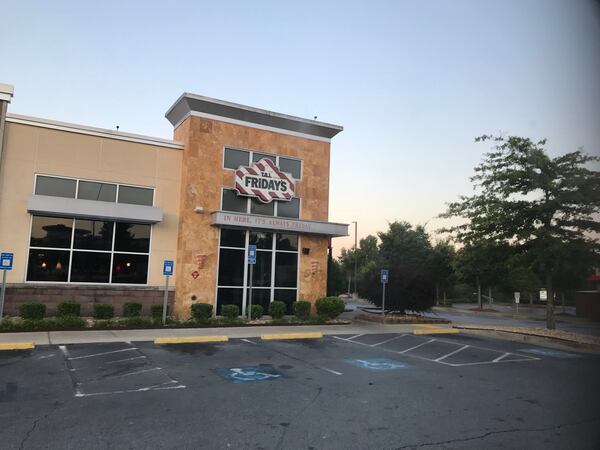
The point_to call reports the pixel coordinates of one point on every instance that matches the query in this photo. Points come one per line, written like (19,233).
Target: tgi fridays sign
(265,181)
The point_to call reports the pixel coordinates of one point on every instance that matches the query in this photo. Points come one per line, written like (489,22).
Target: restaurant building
(91,214)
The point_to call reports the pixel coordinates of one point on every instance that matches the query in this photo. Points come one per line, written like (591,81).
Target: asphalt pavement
(344,391)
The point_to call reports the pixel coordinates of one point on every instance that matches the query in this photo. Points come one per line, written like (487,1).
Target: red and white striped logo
(265,181)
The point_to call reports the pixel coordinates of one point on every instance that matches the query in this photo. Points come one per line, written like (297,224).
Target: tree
(537,204)
(366,255)
(406,252)
(441,266)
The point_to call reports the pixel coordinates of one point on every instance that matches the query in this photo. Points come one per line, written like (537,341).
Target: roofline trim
(92,131)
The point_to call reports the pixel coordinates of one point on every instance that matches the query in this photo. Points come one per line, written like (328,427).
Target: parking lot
(343,391)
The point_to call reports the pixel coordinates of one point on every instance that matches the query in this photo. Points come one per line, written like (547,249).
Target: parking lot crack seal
(35,424)
(298,414)
(491,433)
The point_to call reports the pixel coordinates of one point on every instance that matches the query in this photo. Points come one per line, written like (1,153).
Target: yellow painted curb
(271,337)
(437,331)
(191,340)
(16,345)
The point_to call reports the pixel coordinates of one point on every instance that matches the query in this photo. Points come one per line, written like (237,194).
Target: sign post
(384,280)
(251,261)
(517,297)
(167,272)
(6,264)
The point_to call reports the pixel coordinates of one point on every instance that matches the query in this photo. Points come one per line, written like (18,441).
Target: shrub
(201,312)
(277,309)
(157,310)
(103,311)
(32,311)
(68,309)
(329,307)
(137,321)
(69,322)
(230,312)
(132,309)
(256,312)
(302,310)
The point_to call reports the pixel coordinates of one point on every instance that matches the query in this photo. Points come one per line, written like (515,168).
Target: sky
(412,82)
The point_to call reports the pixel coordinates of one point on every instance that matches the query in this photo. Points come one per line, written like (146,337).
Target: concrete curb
(437,331)
(16,346)
(287,336)
(191,340)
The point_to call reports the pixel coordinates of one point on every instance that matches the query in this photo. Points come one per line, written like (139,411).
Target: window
(233,202)
(289,209)
(136,195)
(88,251)
(90,190)
(93,190)
(274,276)
(235,158)
(258,207)
(292,166)
(56,187)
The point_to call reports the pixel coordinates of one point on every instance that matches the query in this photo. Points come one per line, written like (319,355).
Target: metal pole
(2,294)
(250,293)
(355,256)
(383,301)
(165,301)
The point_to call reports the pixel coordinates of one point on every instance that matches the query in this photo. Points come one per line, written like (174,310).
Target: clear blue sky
(412,82)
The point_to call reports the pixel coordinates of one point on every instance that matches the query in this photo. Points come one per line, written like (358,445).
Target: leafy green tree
(406,252)
(537,204)
(366,256)
(441,266)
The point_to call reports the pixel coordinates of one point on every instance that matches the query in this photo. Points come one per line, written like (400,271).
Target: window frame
(71,250)
(249,206)
(77,180)
(251,158)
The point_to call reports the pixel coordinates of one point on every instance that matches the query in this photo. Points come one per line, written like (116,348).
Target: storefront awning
(251,221)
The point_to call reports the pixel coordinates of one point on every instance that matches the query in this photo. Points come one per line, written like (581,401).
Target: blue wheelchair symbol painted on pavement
(376,363)
(244,374)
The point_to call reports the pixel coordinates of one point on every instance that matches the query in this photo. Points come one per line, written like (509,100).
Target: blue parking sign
(252,254)
(168,267)
(6,261)
(384,275)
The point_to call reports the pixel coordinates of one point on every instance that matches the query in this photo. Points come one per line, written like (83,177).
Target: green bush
(277,309)
(49,324)
(137,321)
(32,311)
(230,312)
(329,307)
(68,309)
(202,312)
(302,310)
(103,311)
(157,310)
(132,309)
(256,312)
(69,322)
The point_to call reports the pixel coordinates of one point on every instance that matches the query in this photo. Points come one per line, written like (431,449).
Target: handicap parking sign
(254,373)
(252,254)
(168,267)
(6,261)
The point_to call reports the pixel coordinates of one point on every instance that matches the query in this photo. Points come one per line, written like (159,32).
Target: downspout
(6,94)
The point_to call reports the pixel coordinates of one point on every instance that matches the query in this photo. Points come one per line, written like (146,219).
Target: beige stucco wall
(203,177)
(32,149)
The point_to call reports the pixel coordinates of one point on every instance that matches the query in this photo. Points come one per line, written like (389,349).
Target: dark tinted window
(286,269)
(229,296)
(289,209)
(90,267)
(235,158)
(233,238)
(136,195)
(258,156)
(292,166)
(104,192)
(261,240)
(57,187)
(51,232)
(233,202)
(287,241)
(261,272)
(48,265)
(93,234)
(266,209)
(260,297)
(231,267)
(287,296)
(132,237)
(132,269)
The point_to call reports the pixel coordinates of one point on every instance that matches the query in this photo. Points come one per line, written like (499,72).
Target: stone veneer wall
(203,177)
(52,295)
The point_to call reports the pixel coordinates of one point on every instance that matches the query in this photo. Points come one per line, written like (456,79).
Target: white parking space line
(389,340)
(249,341)
(352,337)
(451,353)
(138,372)
(501,357)
(126,359)
(417,346)
(103,353)
(335,372)
(156,387)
